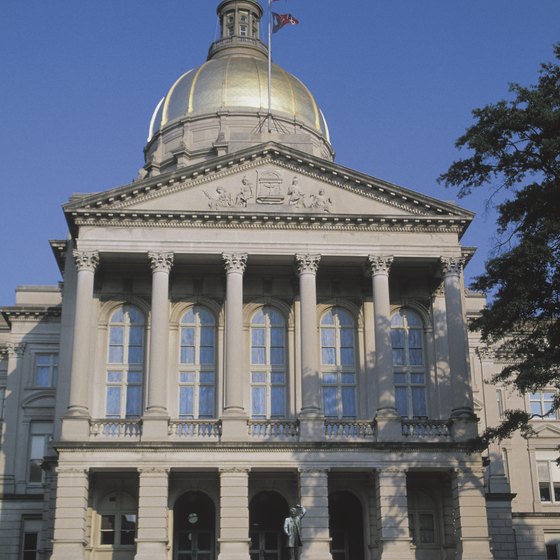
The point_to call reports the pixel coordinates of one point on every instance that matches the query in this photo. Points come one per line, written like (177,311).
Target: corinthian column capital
(86,260)
(15,349)
(452,266)
(235,262)
(379,264)
(160,262)
(308,263)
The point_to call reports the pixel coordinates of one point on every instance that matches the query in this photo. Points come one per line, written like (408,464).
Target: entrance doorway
(194,527)
(346,526)
(267,512)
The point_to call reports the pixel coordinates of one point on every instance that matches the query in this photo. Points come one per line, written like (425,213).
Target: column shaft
(152,539)
(161,264)
(471,524)
(86,263)
(314,488)
(462,398)
(392,521)
(70,516)
(234,514)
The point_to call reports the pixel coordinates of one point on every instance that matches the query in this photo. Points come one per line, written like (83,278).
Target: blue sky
(396,79)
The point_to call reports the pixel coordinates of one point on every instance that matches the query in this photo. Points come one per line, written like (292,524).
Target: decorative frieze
(86,260)
(160,262)
(452,266)
(308,263)
(235,262)
(380,264)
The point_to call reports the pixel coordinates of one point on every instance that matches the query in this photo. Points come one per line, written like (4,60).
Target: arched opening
(194,527)
(267,512)
(346,526)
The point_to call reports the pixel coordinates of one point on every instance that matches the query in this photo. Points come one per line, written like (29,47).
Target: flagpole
(269,67)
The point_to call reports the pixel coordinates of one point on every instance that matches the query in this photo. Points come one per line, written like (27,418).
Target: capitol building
(248,326)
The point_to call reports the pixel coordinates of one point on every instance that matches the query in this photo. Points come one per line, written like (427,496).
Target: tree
(514,149)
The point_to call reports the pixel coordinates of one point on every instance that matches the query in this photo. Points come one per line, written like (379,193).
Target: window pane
(413,319)
(136,336)
(113,402)
(258,318)
(188,317)
(415,338)
(427,529)
(187,336)
(258,356)
(135,355)
(277,336)
(258,377)
(134,377)
(415,357)
(116,354)
(418,378)
(330,378)
(545,492)
(207,336)
(400,401)
(186,377)
(419,401)
(259,401)
(348,378)
(35,471)
(399,378)
(328,356)
(207,377)
(276,356)
(536,408)
(274,316)
(551,552)
(134,315)
(344,318)
(278,407)
(258,337)
(328,337)
(118,315)
(543,472)
(114,376)
(347,337)
(30,541)
(186,401)
(42,360)
(397,338)
(128,529)
(133,401)
(187,355)
(398,357)
(205,316)
(347,356)
(329,401)
(328,318)
(42,376)
(207,355)
(206,404)
(348,402)
(116,335)
(278,378)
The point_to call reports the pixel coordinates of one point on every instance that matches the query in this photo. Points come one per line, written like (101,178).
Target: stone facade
(246,327)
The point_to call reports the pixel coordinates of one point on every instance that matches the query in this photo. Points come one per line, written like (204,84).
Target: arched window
(409,371)
(338,363)
(125,363)
(268,364)
(197,364)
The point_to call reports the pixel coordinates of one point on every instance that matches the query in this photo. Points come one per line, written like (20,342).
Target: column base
(155,428)
(311,428)
(234,427)
(75,428)
(388,426)
(234,550)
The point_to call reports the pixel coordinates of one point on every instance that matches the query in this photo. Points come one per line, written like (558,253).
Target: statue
(292,528)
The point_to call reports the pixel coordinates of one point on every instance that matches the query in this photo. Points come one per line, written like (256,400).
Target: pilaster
(153,536)
(69,540)
(395,543)
(471,525)
(314,490)
(234,514)
(234,420)
(311,418)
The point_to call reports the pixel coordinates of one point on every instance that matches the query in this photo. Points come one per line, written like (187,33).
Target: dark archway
(346,525)
(194,527)
(267,512)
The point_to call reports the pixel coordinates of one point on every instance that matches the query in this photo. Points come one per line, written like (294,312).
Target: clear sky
(396,79)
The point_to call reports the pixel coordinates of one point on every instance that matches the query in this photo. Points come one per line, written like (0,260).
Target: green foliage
(514,149)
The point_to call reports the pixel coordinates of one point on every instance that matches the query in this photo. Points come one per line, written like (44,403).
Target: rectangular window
(541,404)
(30,539)
(421,528)
(46,370)
(40,435)
(552,545)
(549,477)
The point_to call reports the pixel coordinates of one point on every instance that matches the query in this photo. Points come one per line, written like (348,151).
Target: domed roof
(238,83)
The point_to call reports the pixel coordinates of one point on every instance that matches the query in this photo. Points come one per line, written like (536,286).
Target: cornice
(29,313)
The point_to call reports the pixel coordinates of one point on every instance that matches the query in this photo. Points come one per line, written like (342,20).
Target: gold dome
(238,83)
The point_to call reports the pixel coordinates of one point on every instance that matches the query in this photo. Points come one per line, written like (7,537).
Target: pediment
(547,431)
(269,179)
(40,400)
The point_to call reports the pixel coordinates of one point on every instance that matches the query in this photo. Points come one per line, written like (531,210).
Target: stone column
(69,540)
(153,536)
(234,422)
(314,489)
(75,425)
(462,399)
(156,418)
(394,537)
(311,421)
(234,514)
(388,421)
(471,526)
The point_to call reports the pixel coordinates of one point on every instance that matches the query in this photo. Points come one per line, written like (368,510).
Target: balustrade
(116,428)
(210,429)
(425,429)
(276,429)
(348,429)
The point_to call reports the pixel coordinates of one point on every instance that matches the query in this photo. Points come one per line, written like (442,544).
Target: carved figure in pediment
(321,201)
(295,195)
(221,199)
(270,188)
(245,194)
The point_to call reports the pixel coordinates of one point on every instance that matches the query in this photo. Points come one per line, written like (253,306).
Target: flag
(280,20)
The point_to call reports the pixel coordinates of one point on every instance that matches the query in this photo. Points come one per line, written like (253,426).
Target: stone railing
(349,429)
(425,429)
(195,429)
(274,429)
(237,40)
(116,428)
